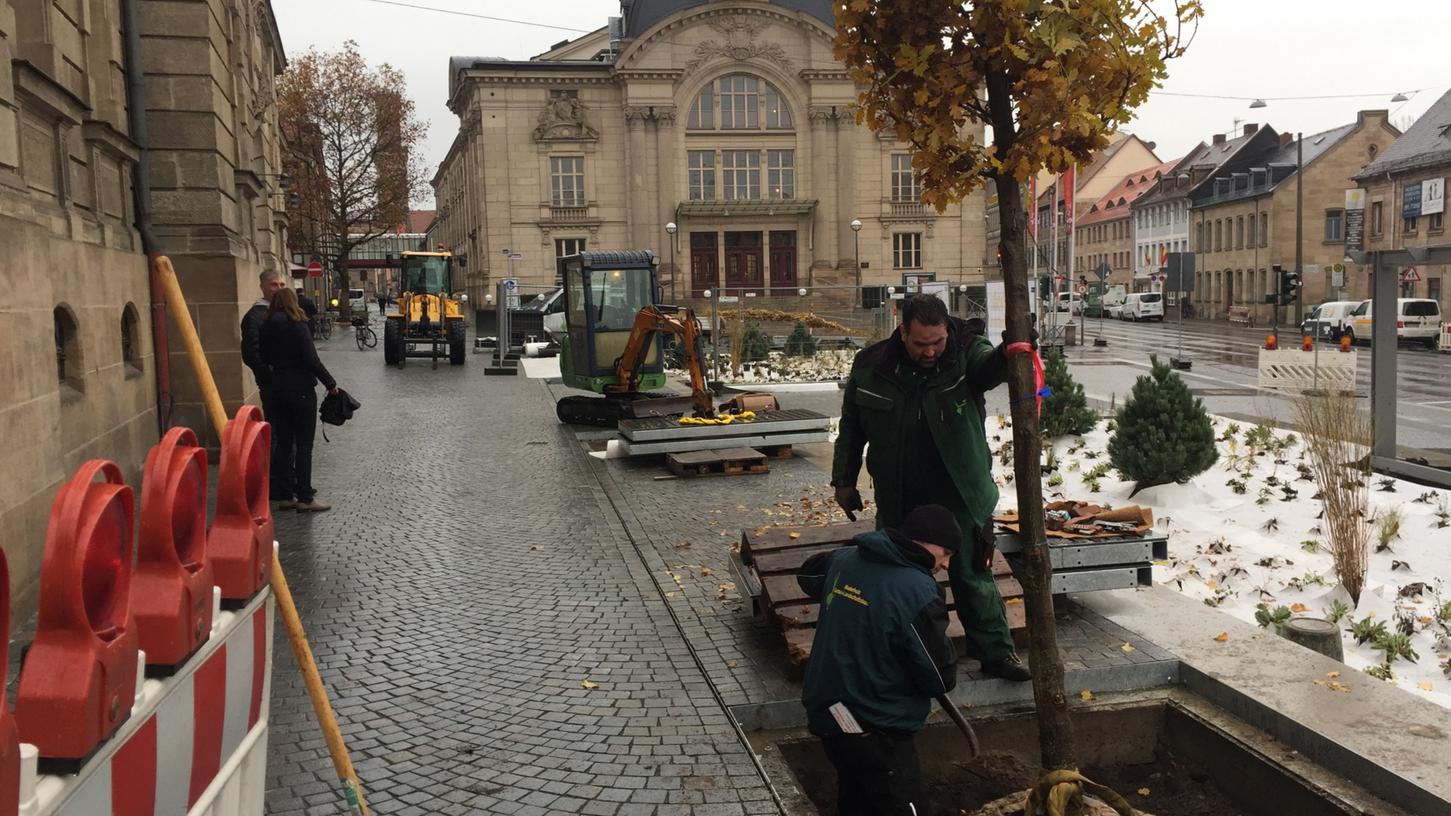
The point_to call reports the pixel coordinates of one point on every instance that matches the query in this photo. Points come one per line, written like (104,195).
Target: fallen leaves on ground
(793,534)
(1143,791)
(1298,608)
(1127,647)
(685,545)
(1222,637)
(1424,686)
(705,572)
(536,547)
(1085,695)
(588,685)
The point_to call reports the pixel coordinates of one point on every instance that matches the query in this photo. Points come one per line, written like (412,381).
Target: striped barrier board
(195,743)
(1444,345)
(1293,369)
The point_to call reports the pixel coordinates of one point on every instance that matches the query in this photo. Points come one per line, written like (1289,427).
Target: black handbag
(338,408)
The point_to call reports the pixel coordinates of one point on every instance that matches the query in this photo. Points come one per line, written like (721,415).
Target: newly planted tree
(1066,410)
(351,139)
(1052,80)
(1163,434)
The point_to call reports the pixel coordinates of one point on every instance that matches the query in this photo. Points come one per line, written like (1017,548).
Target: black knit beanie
(933,524)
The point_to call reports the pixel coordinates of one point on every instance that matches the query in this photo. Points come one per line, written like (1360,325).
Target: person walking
(916,399)
(269,282)
(879,656)
(296,370)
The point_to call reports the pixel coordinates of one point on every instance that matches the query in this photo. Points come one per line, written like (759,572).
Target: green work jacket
(887,405)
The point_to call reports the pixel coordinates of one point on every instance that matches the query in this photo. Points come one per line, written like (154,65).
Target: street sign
(1410,275)
(729,299)
(1102,271)
(1082,288)
(511,283)
(315,269)
(516,256)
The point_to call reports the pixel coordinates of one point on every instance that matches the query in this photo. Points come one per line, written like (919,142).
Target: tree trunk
(1055,729)
(345,304)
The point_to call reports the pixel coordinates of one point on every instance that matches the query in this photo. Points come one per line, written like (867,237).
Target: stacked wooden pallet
(771,557)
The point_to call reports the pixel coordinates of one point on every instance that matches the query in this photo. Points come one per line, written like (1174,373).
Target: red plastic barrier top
(79,678)
(240,546)
(173,582)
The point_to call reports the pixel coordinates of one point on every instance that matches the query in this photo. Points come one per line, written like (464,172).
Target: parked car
(1070,302)
(357,301)
(1418,320)
(1142,306)
(1328,321)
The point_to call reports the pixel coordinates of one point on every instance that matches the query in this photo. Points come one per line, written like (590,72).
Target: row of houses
(1246,202)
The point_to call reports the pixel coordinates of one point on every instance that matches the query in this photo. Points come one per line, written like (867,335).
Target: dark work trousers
(293,414)
(877,774)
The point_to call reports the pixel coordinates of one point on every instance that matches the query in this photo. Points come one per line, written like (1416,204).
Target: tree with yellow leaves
(1052,79)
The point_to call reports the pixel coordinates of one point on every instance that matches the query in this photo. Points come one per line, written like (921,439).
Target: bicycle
(322,327)
(363,333)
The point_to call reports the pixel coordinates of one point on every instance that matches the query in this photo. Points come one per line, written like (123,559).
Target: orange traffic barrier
(240,544)
(78,681)
(1345,342)
(1271,342)
(1307,343)
(172,597)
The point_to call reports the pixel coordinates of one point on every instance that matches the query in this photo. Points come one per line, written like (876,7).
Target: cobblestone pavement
(469,580)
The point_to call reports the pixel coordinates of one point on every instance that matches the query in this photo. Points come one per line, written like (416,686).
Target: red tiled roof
(1115,203)
(418,221)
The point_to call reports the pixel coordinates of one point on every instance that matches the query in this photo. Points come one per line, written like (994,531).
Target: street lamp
(856,232)
(714,334)
(671,228)
(801,292)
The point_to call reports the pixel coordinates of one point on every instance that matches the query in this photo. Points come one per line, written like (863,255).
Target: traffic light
(1289,283)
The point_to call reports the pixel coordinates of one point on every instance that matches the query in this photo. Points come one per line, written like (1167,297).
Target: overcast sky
(1244,48)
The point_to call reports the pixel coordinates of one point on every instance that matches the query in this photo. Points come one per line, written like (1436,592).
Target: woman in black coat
(296,370)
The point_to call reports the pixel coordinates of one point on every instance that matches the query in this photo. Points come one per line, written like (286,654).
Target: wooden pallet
(773,556)
(727,462)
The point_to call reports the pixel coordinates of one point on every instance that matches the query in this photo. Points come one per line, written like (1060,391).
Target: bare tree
(351,136)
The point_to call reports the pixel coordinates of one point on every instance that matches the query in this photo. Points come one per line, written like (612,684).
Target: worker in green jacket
(915,399)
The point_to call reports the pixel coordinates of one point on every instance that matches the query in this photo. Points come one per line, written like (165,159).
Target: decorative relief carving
(739,35)
(564,118)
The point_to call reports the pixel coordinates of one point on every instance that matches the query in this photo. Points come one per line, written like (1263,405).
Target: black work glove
(849,498)
(984,544)
(1032,338)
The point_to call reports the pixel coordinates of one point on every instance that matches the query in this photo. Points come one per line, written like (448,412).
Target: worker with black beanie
(880,655)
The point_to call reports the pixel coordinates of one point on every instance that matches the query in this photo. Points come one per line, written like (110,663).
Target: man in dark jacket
(252,321)
(880,654)
(917,399)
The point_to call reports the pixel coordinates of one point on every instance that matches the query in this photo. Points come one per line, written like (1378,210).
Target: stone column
(825,247)
(637,161)
(668,162)
(847,203)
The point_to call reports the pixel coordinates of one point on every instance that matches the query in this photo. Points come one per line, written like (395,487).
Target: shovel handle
(962,725)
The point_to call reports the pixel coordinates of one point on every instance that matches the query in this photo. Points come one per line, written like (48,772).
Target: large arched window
(739,102)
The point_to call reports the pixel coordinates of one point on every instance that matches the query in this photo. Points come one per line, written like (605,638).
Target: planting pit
(1188,757)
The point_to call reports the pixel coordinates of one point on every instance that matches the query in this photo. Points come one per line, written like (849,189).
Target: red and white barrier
(195,743)
(1444,344)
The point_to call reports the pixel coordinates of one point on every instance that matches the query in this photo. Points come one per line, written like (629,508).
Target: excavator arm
(650,321)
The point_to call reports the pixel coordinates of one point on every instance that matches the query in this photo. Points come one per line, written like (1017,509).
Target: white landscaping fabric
(1223,549)
(540,368)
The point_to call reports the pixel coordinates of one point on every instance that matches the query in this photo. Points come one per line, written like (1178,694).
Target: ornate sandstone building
(728,118)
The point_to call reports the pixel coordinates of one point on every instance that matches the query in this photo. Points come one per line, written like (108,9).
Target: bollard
(78,682)
(172,590)
(240,544)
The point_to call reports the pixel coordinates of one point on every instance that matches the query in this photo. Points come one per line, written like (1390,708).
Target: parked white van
(1418,320)
(1329,320)
(1142,306)
(1070,302)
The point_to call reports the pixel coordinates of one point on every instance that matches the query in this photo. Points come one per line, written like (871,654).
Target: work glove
(983,547)
(1032,341)
(849,498)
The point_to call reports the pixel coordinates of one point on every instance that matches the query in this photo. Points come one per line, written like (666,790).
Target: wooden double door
(749,256)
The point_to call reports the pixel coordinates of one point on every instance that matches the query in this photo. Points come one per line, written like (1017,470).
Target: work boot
(1011,668)
(313,506)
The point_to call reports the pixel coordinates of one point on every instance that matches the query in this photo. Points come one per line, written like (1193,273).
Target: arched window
(67,347)
(739,102)
(130,339)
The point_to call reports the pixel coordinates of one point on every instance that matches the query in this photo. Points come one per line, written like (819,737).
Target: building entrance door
(744,269)
(704,263)
(783,262)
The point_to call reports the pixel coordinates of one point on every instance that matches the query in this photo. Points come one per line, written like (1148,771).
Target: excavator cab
(604,292)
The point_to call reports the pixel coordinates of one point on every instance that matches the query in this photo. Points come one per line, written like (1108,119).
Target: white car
(1143,306)
(1328,321)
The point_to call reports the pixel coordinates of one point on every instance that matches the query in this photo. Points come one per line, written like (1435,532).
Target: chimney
(1219,138)
(1250,129)
(1286,138)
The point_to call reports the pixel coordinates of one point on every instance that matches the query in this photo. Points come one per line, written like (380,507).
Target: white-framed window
(740,174)
(781,174)
(564,247)
(1334,219)
(739,98)
(907,250)
(702,110)
(904,181)
(739,102)
(702,174)
(566,181)
(778,116)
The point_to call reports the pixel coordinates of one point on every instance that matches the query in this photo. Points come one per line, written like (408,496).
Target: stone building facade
(1243,217)
(1106,229)
(77,350)
(1420,158)
(728,118)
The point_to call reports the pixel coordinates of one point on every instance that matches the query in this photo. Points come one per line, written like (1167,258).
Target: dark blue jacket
(881,644)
